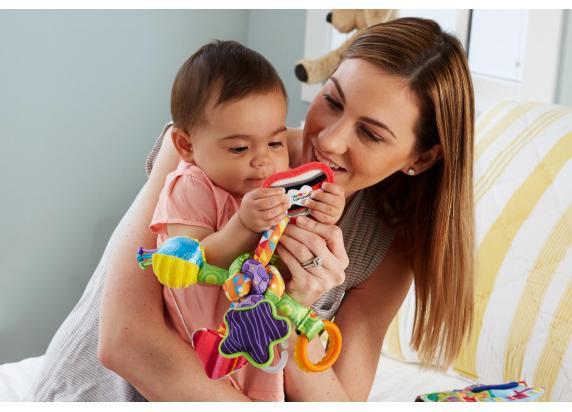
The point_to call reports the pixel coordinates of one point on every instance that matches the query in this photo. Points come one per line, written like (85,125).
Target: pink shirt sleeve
(188,199)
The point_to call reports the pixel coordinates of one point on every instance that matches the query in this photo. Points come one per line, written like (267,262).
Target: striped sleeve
(150,162)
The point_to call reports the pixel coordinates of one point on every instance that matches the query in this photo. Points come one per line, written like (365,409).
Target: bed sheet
(394,380)
(16,378)
(402,381)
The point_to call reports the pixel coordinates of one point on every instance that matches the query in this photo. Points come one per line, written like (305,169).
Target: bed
(16,378)
(523,327)
(395,380)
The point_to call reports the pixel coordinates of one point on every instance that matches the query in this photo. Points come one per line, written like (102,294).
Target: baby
(228,106)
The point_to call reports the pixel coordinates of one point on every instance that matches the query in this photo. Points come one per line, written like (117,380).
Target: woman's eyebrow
(378,124)
(339,89)
(365,119)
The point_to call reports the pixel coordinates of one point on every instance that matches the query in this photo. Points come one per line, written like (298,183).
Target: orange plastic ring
(332,354)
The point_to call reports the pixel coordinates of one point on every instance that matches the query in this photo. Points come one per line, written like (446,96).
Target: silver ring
(312,263)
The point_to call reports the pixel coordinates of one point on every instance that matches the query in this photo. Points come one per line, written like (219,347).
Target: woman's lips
(322,159)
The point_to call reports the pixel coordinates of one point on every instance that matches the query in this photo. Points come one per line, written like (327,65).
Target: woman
(395,121)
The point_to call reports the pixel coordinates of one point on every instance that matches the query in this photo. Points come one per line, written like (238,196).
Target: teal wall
(82,96)
(279,35)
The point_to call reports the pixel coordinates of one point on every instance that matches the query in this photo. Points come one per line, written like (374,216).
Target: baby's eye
(275,144)
(238,149)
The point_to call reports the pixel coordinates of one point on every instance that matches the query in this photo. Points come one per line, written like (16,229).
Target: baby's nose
(261,161)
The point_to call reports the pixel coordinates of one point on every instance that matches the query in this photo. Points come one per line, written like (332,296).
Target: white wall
(564,91)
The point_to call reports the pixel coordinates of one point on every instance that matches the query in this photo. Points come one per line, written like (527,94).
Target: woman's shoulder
(401,250)
(396,266)
(294,134)
(380,296)
(393,275)
(295,143)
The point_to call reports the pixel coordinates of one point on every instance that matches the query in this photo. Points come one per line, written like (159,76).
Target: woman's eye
(275,144)
(238,150)
(334,105)
(370,135)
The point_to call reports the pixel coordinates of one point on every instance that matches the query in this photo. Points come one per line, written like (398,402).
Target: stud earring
(411,171)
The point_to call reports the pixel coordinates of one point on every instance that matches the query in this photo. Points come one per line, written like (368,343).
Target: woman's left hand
(300,244)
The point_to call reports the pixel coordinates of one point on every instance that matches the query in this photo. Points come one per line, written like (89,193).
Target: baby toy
(507,392)
(260,313)
(344,20)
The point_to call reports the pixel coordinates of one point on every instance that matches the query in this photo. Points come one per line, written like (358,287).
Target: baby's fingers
(324,218)
(333,188)
(268,218)
(325,208)
(280,202)
(319,196)
(265,192)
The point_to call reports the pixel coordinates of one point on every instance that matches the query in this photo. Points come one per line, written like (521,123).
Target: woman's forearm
(311,387)
(134,340)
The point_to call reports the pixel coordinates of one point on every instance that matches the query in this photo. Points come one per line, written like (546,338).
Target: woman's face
(362,125)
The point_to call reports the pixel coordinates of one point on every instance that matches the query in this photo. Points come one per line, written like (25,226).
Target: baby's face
(240,143)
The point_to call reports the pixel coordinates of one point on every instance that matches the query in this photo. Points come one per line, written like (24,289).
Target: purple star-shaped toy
(253,332)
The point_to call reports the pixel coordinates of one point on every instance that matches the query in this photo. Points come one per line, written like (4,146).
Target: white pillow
(523,198)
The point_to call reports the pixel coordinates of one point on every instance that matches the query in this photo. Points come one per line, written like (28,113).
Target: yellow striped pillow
(523,307)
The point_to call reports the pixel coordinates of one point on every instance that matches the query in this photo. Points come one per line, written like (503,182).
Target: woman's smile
(336,167)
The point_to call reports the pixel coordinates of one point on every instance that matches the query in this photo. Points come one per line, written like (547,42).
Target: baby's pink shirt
(190,198)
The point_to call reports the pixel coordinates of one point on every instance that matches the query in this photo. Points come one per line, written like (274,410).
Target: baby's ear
(182,142)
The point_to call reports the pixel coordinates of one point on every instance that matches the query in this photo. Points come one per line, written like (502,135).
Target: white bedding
(16,378)
(394,381)
(402,381)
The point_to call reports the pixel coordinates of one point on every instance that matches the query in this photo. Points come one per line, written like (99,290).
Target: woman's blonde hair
(434,210)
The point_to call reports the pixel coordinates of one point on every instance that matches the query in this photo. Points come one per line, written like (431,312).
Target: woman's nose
(335,139)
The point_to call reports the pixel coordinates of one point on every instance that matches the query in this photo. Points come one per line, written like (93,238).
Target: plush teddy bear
(344,20)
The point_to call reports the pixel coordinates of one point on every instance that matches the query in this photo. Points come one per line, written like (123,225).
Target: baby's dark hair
(227,67)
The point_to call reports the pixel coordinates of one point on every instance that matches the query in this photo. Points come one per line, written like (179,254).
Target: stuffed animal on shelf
(260,313)
(344,20)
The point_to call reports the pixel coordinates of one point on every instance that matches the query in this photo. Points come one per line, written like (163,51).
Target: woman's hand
(304,241)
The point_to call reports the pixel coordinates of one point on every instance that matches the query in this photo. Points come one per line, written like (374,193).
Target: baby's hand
(327,204)
(263,208)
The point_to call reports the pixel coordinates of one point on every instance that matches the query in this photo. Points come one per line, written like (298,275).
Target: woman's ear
(424,160)
(183,144)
